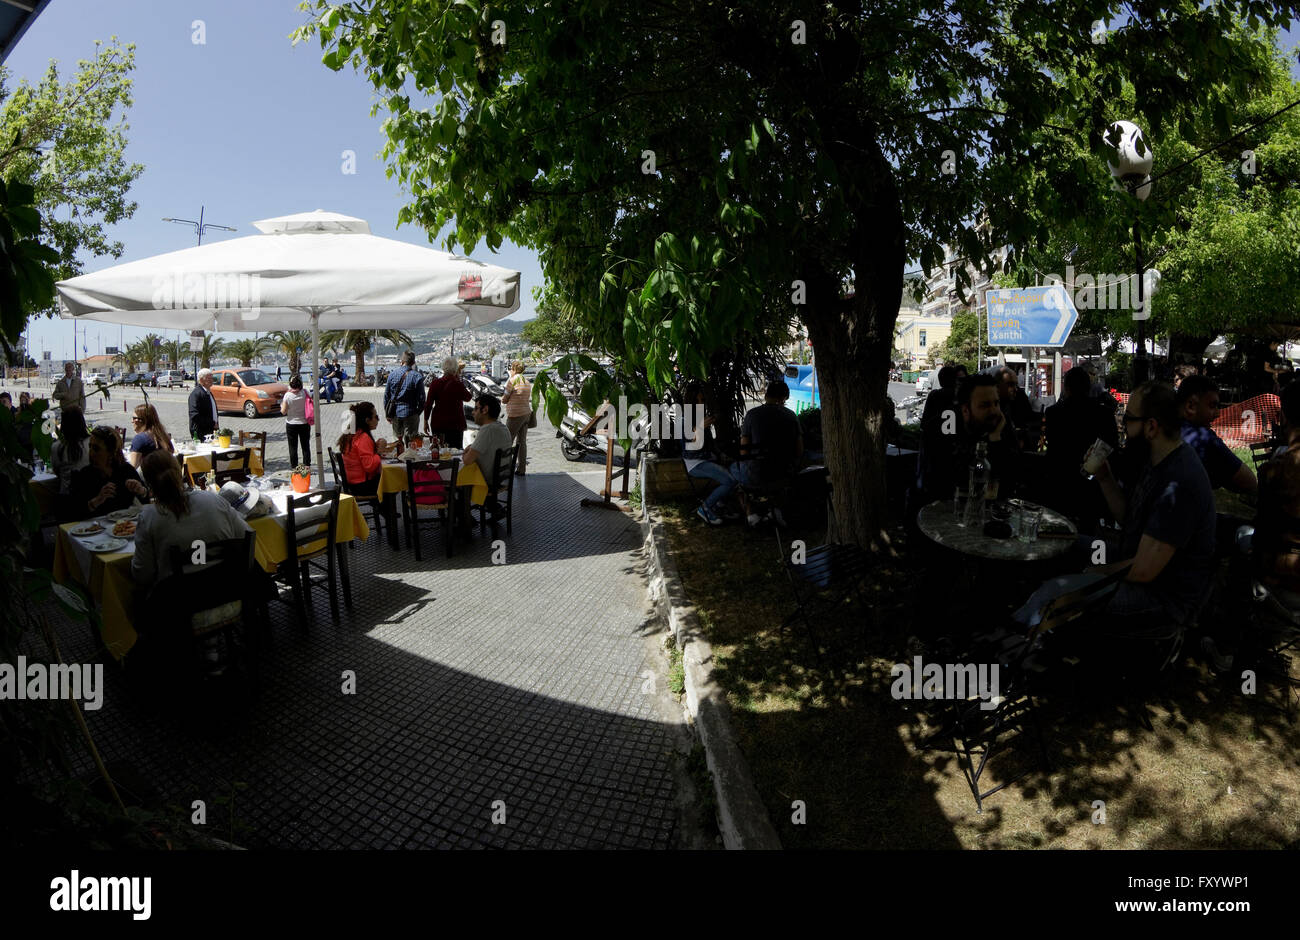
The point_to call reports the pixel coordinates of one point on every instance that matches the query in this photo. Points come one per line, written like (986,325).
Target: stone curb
(742,817)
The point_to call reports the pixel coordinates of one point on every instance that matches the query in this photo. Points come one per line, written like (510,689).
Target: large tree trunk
(853,339)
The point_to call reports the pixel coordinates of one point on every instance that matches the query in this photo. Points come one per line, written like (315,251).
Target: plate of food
(124,529)
(107,545)
(88,528)
(118,515)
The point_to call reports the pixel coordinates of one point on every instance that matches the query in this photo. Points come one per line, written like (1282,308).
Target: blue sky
(245,124)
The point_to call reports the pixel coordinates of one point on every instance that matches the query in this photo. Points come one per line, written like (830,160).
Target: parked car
(170,378)
(250,391)
(927,381)
(94,377)
(131,378)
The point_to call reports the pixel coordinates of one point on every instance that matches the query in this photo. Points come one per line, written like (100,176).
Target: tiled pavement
(522,683)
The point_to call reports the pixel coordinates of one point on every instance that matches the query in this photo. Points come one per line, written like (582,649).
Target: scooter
(331,389)
(574,445)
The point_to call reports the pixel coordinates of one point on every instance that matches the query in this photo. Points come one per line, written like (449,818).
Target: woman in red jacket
(444,409)
(361,452)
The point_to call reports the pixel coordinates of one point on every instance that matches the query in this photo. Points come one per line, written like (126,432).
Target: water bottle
(981,471)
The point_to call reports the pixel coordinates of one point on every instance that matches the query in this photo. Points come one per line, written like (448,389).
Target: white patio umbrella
(317,269)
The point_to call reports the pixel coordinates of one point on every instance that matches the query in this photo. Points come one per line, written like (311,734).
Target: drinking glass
(960,500)
(1030,516)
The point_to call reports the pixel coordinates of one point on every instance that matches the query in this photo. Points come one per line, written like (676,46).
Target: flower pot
(301,482)
(223,440)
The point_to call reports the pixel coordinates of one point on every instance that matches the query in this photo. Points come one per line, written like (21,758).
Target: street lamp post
(1133,172)
(200,226)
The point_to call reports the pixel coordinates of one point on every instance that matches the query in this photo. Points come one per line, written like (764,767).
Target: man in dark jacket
(404,398)
(945,460)
(1072,425)
(203,407)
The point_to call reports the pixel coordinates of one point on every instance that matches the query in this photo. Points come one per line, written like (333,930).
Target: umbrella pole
(315,393)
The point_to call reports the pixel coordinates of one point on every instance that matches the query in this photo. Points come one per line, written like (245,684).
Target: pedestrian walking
(296,426)
(518,400)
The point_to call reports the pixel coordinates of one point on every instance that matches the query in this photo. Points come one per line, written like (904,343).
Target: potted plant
(224,435)
(301,478)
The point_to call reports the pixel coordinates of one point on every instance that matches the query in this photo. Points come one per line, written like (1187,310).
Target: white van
(927,381)
(171,378)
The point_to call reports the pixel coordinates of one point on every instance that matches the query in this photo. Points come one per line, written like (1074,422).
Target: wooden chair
(770,477)
(231,465)
(501,485)
(308,546)
(369,503)
(214,608)
(427,494)
(260,437)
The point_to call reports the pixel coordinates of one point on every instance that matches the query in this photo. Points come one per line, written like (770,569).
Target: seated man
(774,431)
(1013,402)
(944,461)
(1198,403)
(491,437)
(1168,519)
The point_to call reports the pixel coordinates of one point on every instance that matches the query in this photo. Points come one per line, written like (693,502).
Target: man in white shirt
(491,437)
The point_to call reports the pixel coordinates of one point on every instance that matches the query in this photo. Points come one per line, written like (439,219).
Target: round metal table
(937,522)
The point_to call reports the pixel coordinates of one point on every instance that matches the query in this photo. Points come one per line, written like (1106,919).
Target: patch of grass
(676,670)
(823,728)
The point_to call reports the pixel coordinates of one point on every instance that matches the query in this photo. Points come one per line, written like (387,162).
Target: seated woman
(176,518)
(150,435)
(697,454)
(70,452)
(362,462)
(108,483)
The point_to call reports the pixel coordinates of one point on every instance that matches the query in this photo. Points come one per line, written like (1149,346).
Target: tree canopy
(694,175)
(67,139)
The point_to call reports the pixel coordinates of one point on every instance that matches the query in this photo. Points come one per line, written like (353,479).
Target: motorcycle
(331,389)
(574,445)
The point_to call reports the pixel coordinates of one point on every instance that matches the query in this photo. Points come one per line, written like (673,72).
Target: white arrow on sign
(1055,299)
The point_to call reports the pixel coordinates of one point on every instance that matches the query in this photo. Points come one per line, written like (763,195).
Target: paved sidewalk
(524,683)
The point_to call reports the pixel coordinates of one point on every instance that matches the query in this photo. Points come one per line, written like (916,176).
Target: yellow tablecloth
(113,590)
(273,543)
(202,463)
(392,479)
(109,584)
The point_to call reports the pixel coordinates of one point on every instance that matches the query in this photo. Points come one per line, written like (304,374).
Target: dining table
(103,567)
(1057,535)
(197,458)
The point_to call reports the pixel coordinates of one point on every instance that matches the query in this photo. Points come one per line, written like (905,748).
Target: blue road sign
(1031,316)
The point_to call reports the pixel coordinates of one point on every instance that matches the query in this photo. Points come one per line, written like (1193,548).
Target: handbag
(532,418)
(311,411)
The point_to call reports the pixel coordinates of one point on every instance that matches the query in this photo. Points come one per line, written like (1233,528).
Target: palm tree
(246,350)
(175,351)
(152,349)
(213,346)
(290,342)
(137,353)
(359,342)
